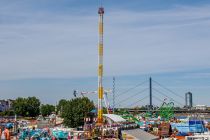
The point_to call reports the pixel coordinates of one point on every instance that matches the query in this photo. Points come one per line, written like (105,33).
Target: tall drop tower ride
(100,67)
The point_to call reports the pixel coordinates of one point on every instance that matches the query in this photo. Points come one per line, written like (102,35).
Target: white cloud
(48,45)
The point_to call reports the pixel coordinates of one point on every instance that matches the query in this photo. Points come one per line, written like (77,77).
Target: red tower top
(101,10)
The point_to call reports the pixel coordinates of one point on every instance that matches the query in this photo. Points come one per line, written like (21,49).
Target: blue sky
(48,48)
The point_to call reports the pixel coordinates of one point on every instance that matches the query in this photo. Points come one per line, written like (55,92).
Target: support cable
(132,96)
(123,93)
(167,89)
(158,99)
(138,101)
(167,96)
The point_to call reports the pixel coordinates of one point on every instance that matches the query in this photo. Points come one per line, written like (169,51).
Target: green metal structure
(166,111)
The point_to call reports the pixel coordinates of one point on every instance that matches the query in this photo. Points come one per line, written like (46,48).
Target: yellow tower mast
(100,67)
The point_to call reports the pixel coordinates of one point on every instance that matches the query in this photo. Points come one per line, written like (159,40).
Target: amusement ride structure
(166,111)
(100,67)
(105,97)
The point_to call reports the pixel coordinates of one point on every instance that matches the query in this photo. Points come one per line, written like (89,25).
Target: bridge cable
(131,89)
(142,91)
(138,101)
(158,99)
(167,96)
(167,89)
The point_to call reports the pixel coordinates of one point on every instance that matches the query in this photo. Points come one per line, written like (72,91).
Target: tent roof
(115,118)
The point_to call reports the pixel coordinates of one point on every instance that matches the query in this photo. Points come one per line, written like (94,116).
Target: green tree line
(72,111)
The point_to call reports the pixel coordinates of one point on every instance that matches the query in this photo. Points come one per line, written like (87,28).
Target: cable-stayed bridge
(153,91)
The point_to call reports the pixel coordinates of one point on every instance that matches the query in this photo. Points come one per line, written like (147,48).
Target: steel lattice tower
(113,92)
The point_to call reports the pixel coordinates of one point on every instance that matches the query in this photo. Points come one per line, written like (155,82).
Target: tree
(47,109)
(75,110)
(136,110)
(143,108)
(33,106)
(61,105)
(7,113)
(20,106)
(27,107)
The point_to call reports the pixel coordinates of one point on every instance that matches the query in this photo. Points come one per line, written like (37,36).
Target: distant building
(188,100)
(200,107)
(5,105)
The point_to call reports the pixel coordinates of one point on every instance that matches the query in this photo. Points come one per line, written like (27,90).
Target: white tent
(112,118)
